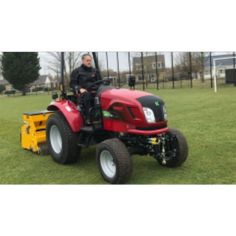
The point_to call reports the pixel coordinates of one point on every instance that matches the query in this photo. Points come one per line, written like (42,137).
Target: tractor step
(85,136)
(87,129)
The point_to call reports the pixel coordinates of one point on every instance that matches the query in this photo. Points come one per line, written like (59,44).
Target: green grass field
(207,120)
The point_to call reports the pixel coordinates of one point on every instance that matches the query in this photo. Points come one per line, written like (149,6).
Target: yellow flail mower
(33,131)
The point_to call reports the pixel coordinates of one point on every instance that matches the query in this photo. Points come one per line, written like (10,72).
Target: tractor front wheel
(114,161)
(61,141)
(176,149)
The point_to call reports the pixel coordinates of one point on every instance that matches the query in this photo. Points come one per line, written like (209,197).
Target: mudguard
(70,112)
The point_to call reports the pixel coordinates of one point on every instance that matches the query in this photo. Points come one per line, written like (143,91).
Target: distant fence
(165,69)
(159,70)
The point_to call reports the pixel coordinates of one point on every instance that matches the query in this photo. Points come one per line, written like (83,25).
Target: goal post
(214,69)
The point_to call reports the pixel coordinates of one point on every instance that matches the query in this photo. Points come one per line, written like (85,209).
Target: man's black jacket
(83,77)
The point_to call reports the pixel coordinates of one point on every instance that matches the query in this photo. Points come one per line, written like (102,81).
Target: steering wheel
(94,83)
(103,81)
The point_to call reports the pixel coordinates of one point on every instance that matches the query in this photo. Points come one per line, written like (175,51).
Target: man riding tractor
(82,82)
(123,123)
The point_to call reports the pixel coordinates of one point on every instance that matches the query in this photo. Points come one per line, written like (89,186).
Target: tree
(202,65)
(20,68)
(72,60)
(182,64)
(0,66)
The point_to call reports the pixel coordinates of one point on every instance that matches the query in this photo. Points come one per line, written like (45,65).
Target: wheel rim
(107,163)
(55,139)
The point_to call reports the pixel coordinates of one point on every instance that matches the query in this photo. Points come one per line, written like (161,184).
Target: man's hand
(82,90)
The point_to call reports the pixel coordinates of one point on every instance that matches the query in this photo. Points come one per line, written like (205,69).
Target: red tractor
(123,123)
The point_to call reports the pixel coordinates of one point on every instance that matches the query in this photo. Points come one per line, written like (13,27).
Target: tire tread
(71,151)
(124,161)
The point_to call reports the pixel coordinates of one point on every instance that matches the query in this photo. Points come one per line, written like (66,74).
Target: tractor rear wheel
(176,149)
(114,161)
(61,141)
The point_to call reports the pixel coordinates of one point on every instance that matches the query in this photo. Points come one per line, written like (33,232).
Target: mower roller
(123,123)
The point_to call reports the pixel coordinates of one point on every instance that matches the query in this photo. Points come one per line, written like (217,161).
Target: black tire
(69,152)
(181,147)
(121,159)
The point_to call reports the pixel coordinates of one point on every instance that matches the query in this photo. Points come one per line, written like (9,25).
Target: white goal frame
(214,66)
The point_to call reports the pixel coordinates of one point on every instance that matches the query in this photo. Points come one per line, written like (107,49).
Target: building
(149,66)
(44,82)
(221,65)
(6,84)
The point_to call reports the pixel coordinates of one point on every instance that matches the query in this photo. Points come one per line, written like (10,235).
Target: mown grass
(208,120)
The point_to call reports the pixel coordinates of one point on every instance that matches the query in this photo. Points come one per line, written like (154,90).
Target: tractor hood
(131,104)
(130,96)
(125,95)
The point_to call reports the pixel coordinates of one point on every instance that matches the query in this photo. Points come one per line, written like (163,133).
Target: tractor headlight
(165,113)
(149,115)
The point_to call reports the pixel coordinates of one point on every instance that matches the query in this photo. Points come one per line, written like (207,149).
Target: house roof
(54,79)
(40,80)
(4,82)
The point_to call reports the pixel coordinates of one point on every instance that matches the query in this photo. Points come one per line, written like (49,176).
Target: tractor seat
(87,129)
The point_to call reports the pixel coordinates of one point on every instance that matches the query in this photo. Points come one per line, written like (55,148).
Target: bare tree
(181,61)
(197,59)
(72,59)
(0,66)
(54,64)
(202,61)
(71,62)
